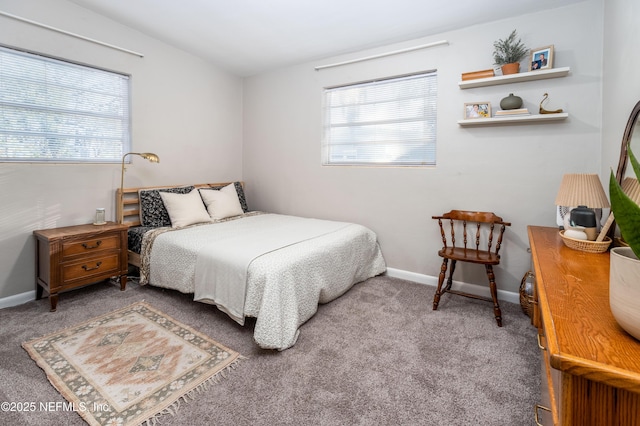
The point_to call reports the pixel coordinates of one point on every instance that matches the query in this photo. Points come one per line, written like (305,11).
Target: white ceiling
(248,37)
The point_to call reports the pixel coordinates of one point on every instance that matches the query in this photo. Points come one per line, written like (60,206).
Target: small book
(477,74)
(518,111)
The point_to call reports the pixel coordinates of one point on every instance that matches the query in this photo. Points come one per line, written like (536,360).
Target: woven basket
(586,245)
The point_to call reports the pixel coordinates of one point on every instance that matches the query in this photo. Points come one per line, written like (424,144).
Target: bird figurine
(546,111)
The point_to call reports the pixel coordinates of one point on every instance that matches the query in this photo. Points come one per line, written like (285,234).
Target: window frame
(428,159)
(122,117)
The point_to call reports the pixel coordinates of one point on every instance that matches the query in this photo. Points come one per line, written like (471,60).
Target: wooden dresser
(74,256)
(591,366)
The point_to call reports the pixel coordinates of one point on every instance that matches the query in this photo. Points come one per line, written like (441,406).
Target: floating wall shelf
(515,78)
(520,119)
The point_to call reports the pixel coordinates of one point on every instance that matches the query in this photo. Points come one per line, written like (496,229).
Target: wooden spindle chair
(487,225)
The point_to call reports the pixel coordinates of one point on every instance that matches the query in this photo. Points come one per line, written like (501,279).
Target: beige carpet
(128,366)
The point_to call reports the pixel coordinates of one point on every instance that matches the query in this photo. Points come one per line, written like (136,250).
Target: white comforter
(284,284)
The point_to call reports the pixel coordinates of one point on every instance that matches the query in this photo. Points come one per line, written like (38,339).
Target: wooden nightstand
(73,256)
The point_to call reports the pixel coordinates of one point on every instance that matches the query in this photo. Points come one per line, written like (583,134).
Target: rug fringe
(191,395)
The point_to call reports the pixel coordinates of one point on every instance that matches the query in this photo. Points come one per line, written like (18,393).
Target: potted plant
(624,281)
(509,52)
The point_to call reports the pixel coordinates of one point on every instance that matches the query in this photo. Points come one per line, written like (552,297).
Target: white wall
(621,84)
(184,109)
(512,170)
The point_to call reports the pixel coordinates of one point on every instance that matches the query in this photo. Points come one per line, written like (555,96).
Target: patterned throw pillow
(153,213)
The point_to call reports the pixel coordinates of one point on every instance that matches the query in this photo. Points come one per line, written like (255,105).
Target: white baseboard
(17,299)
(475,289)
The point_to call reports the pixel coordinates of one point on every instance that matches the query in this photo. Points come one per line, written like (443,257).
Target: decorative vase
(624,289)
(511,102)
(511,68)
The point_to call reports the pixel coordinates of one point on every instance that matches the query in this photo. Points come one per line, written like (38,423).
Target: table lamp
(584,191)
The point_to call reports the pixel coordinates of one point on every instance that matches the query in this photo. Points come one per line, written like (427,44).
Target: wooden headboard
(128,206)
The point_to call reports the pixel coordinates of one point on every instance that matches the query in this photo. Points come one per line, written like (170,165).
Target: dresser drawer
(72,247)
(90,269)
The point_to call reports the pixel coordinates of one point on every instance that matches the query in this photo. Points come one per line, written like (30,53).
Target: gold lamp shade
(581,189)
(147,156)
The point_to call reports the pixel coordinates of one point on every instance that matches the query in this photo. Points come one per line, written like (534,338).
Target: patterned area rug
(129,366)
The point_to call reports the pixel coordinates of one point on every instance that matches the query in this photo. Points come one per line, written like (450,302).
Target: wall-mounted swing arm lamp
(147,156)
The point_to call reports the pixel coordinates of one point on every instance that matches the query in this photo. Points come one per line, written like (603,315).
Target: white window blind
(389,122)
(52,110)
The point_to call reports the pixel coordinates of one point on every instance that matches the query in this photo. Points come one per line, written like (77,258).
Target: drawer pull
(540,343)
(86,268)
(88,247)
(540,407)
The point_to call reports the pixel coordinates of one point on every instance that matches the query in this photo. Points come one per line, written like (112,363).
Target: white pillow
(223,203)
(185,209)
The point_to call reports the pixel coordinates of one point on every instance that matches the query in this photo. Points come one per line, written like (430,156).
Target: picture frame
(541,58)
(477,110)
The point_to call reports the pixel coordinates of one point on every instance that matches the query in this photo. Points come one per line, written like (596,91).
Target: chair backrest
(457,220)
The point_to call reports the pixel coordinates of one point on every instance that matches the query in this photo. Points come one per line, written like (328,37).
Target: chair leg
(494,294)
(450,279)
(443,271)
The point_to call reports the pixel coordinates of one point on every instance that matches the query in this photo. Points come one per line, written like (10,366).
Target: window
(51,110)
(390,122)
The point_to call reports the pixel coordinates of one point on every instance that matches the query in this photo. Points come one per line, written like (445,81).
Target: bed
(275,268)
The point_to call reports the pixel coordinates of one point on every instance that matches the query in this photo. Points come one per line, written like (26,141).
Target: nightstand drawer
(90,269)
(74,247)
